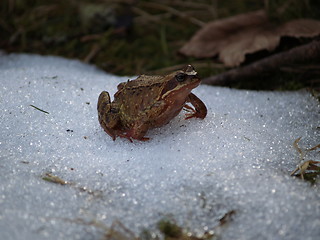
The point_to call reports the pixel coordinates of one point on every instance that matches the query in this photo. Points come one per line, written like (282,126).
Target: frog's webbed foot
(199,110)
(191,111)
(107,114)
(130,136)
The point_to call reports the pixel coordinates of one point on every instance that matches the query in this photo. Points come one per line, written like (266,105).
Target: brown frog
(148,102)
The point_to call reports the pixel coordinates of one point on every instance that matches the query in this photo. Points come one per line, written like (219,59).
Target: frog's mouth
(186,89)
(194,82)
(173,88)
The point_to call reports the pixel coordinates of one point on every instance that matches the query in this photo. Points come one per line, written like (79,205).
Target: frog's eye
(180,77)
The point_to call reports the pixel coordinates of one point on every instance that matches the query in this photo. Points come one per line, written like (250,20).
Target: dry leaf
(232,38)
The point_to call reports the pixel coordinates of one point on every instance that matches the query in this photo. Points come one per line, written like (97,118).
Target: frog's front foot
(199,110)
(193,113)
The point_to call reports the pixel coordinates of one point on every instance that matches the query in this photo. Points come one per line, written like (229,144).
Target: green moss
(169,229)
(79,29)
(121,38)
(54,179)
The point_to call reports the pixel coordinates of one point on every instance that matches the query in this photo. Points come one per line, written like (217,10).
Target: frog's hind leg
(108,115)
(138,131)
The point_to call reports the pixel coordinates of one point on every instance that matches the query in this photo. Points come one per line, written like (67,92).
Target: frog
(149,101)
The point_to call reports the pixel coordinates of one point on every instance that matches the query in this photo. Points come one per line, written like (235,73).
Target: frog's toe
(131,134)
(194,115)
(143,139)
(122,134)
(127,137)
(191,112)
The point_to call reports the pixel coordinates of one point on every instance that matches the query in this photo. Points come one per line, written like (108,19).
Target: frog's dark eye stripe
(180,77)
(169,86)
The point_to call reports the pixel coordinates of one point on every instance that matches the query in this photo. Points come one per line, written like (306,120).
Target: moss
(54,179)
(169,229)
(122,37)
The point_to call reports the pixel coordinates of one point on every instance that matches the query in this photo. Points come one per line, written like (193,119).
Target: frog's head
(181,82)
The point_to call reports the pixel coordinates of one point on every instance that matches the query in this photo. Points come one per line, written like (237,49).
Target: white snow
(238,158)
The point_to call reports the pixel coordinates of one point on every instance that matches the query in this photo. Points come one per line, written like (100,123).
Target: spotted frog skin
(149,102)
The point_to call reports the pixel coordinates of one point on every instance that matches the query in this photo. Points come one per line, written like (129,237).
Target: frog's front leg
(200,110)
(108,115)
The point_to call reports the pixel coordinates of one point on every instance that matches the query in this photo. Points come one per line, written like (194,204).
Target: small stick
(175,12)
(39,109)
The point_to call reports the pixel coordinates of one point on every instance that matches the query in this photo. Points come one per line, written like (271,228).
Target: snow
(238,159)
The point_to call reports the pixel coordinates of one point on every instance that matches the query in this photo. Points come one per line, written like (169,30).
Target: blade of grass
(39,109)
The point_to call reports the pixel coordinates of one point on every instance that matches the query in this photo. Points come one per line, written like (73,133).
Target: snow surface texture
(238,159)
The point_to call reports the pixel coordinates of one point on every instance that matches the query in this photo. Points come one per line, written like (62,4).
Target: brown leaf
(232,38)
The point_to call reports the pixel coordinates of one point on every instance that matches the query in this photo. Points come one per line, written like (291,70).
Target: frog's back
(136,97)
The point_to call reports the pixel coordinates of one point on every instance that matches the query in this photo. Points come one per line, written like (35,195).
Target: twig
(314,148)
(93,52)
(39,109)
(91,37)
(175,12)
(299,150)
(145,15)
(187,4)
(304,53)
